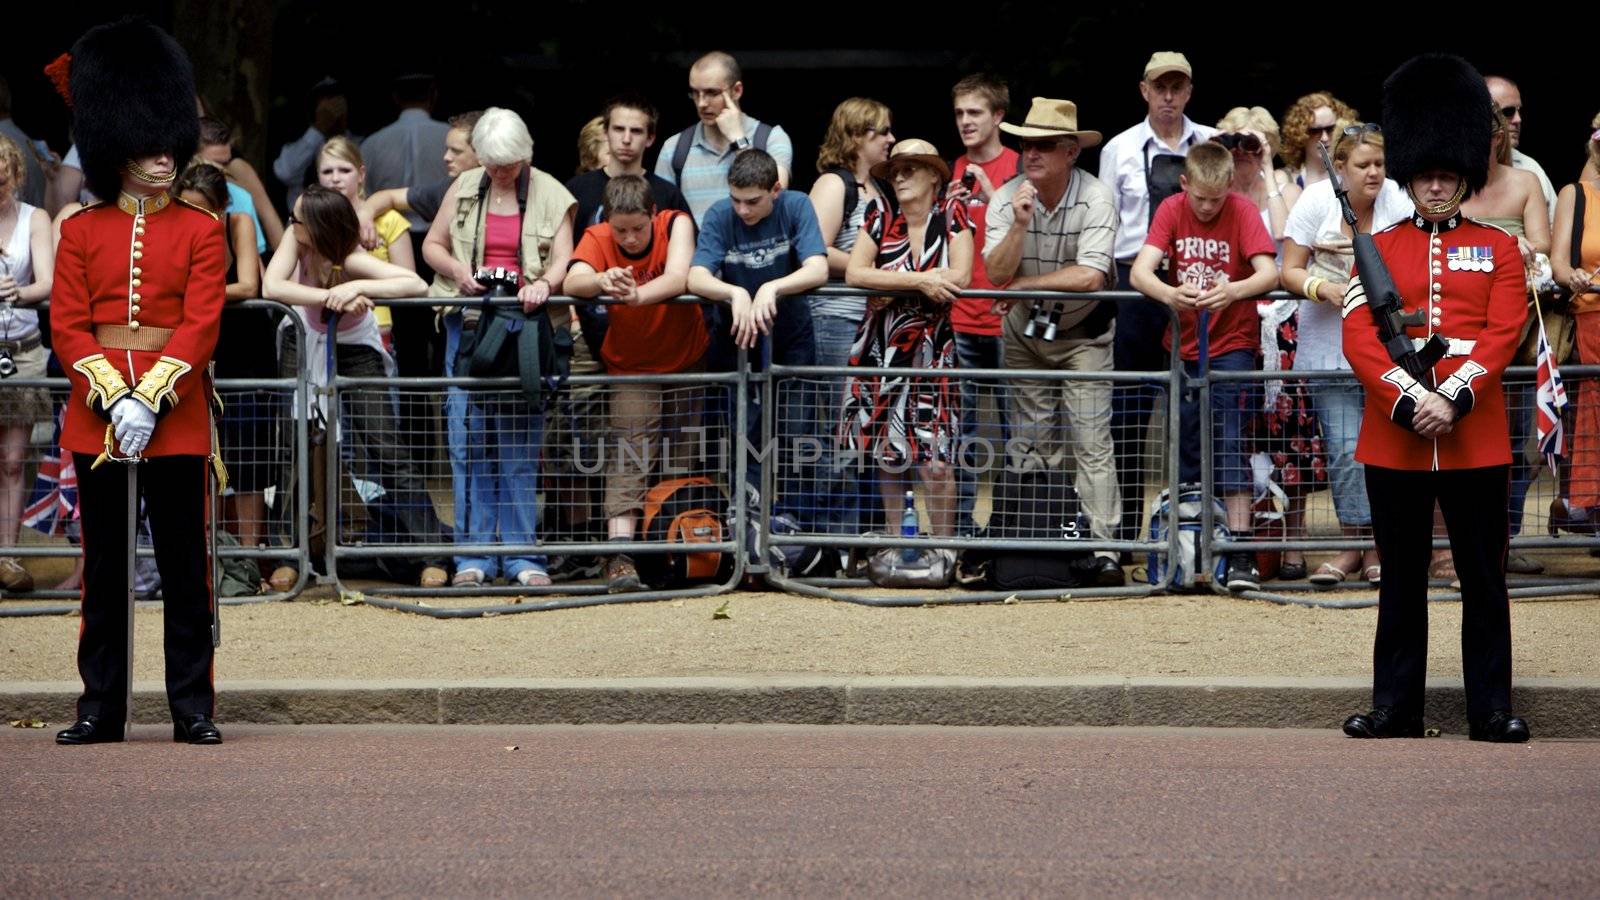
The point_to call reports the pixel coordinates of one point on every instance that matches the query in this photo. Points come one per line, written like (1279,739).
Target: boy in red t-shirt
(641,257)
(980,103)
(1222,261)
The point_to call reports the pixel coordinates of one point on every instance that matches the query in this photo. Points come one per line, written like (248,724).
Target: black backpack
(1037,505)
(680,153)
(852,191)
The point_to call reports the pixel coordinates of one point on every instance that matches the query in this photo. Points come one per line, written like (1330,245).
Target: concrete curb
(1556,707)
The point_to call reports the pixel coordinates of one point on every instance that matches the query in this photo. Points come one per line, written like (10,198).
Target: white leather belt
(1458,346)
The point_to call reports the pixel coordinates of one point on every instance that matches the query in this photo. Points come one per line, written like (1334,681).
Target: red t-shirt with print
(973,315)
(660,337)
(1208,253)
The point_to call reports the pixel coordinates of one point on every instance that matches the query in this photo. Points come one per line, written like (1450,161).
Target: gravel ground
(782,634)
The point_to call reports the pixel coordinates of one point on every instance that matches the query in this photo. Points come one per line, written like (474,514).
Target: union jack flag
(1550,398)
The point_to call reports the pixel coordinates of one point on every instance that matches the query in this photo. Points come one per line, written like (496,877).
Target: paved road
(697,811)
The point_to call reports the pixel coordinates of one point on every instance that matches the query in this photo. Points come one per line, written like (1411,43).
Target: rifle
(1388,310)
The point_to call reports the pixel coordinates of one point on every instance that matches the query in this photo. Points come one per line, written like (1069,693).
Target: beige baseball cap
(1164,61)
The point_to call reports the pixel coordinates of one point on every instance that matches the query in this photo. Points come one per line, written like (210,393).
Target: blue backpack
(1187,521)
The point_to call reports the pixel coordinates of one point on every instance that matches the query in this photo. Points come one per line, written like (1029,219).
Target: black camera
(1046,319)
(8,366)
(497,282)
(1233,140)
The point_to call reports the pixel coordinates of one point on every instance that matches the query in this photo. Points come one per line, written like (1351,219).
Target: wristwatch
(742,143)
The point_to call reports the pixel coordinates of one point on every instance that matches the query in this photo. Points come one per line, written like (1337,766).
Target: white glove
(133,423)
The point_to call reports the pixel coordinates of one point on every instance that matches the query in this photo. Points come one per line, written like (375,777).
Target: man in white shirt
(1148,155)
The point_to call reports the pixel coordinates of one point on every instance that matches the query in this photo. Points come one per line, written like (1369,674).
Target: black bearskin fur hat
(132,95)
(1437,115)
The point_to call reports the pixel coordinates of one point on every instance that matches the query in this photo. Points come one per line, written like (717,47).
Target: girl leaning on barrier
(504,215)
(27,266)
(911,422)
(1317,258)
(1575,264)
(321,269)
(246,348)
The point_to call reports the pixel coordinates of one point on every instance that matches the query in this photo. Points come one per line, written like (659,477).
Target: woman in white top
(27,267)
(1317,258)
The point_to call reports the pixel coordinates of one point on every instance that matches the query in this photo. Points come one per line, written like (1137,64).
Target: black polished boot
(1383,722)
(1500,728)
(196,728)
(92,730)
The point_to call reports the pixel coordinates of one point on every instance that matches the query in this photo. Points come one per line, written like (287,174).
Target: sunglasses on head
(1248,143)
(1363,128)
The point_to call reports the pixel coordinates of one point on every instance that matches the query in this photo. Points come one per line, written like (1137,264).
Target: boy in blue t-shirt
(760,251)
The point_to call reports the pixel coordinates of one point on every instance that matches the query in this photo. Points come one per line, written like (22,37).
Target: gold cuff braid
(106,385)
(159,385)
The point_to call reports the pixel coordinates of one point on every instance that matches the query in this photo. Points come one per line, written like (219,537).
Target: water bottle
(908,528)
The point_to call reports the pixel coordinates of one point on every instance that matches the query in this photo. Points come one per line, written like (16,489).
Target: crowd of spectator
(1202,221)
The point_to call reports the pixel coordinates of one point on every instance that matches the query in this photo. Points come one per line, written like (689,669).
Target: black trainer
(1242,574)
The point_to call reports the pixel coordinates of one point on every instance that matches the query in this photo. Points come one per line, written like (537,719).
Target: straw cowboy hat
(913,150)
(1049,118)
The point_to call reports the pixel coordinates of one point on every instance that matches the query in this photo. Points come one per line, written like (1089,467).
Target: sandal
(1292,571)
(533,578)
(1328,575)
(1373,574)
(1442,569)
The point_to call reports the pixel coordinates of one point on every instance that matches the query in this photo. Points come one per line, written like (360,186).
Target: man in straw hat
(1438,432)
(1051,229)
(136,309)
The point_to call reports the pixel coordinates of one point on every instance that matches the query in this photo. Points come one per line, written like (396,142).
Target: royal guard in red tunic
(134,315)
(1439,433)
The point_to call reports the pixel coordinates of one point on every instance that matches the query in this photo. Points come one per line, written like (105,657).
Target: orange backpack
(683,512)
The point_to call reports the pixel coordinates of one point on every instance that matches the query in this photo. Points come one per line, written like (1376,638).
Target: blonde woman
(340,168)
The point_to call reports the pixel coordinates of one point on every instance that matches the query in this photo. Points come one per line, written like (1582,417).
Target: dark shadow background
(557,62)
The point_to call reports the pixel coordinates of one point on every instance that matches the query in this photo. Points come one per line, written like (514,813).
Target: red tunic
(1466,278)
(177,268)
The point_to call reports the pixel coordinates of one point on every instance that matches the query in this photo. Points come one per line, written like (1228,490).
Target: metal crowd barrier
(382,511)
(1532,486)
(575,451)
(265,443)
(1023,445)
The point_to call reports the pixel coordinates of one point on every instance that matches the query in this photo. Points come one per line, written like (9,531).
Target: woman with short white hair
(508,215)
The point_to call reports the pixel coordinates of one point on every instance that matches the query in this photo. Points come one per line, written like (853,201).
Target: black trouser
(174,488)
(1474,505)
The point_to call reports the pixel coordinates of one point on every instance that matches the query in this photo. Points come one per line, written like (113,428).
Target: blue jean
(838,500)
(1339,406)
(1231,468)
(976,351)
(1519,409)
(791,343)
(455,418)
(497,496)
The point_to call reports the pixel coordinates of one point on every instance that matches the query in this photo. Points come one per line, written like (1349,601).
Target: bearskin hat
(1437,115)
(133,95)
